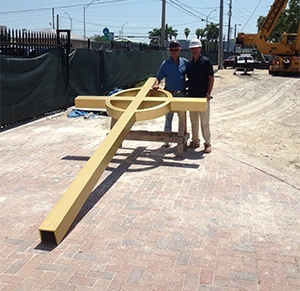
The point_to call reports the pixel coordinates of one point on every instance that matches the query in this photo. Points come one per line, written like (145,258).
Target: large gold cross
(127,106)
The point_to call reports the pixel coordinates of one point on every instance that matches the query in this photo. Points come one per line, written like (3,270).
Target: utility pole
(70,20)
(57,22)
(163,24)
(235,29)
(84,9)
(220,44)
(53,16)
(229,25)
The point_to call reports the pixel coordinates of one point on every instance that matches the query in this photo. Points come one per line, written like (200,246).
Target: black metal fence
(29,44)
(25,43)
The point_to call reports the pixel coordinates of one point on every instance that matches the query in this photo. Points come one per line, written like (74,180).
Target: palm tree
(174,33)
(156,32)
(154,35)
(170,32)
(186,32)
(211,33)
(200,32)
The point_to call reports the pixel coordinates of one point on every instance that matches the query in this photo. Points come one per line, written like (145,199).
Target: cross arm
(177,104)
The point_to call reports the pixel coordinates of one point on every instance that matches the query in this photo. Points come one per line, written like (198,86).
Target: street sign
(105,31)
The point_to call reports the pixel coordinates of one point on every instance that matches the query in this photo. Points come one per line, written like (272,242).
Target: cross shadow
(155,158)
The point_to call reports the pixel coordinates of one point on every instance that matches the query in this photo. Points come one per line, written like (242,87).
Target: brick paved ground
(154,222)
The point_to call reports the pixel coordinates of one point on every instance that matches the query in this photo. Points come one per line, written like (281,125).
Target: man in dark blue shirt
(174,72)
(200,83)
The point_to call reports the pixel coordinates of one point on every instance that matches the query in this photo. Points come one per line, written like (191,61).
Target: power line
(238,10)
(186,10)
(251,15)
(57,7)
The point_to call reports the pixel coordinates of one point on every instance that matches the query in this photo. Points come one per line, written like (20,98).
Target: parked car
(229,62)
(244,63)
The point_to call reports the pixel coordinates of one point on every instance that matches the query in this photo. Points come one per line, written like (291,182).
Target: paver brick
(153,222)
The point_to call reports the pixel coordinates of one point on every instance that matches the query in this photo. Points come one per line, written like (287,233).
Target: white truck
(244,62)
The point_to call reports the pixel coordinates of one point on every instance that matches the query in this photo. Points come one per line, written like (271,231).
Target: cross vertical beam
(60,219)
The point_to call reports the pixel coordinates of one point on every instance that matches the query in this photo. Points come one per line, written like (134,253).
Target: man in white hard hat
(200,83)
(174,71)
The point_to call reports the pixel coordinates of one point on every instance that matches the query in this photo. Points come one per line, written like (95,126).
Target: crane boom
(272,17)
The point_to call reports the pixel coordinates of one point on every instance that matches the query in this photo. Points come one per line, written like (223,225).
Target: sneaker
(166,145)
(194,144)
(207,148)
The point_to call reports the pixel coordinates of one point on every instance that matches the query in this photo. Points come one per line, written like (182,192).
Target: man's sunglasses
(174,50)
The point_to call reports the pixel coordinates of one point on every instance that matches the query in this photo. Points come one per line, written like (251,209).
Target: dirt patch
(258,116)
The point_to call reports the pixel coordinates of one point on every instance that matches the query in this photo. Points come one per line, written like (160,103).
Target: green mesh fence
(32,86)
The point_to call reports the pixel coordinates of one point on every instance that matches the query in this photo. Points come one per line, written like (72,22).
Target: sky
(131,18)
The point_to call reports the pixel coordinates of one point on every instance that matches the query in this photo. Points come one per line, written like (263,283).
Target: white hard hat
(195,42)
